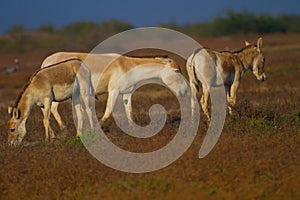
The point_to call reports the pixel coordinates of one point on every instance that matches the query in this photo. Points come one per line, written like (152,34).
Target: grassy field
(256,157)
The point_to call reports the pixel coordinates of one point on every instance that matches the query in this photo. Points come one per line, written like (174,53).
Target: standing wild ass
(54,83)
(121,74)
(211,68)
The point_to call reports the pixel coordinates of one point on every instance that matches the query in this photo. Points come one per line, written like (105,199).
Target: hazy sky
(34,13)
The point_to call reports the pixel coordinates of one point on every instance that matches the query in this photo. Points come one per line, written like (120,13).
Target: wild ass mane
(240,49)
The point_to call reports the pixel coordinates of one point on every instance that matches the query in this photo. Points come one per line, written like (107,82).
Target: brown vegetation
(256,157)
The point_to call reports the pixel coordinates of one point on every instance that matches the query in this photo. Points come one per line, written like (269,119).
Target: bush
(244,23)
(232,23)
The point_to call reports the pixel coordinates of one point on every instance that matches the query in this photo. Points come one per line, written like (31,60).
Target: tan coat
(53,83)
(208,68)
(120,75)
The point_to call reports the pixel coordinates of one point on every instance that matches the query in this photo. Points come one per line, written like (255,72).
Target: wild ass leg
(232,97)
(57,116)
(128,107)
(46,120)
(111,100)
(83,85)
(85,96)
(78,112)
(204,101)
(227,90)
(193,98)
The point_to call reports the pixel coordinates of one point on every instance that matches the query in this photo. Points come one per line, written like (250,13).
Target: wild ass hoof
(102,122)
(52,139)
(207,122)
(63,127)
(78,134)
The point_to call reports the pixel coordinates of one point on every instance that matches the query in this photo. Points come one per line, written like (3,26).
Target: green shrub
(291,119)
(260,123)
(74,141)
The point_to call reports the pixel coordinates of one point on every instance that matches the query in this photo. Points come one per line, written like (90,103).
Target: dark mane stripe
(60,62)
(36,72)
(239,50)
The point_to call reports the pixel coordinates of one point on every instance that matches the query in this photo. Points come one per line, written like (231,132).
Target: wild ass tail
(191,67)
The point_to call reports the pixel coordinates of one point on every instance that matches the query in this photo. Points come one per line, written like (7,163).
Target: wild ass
(211,68)
(55,83)
(121,74)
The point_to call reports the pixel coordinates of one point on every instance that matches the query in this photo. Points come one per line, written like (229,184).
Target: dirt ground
(256,157)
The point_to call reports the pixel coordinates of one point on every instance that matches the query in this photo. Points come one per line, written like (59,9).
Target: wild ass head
(16,129)
(172,77)
(258,62)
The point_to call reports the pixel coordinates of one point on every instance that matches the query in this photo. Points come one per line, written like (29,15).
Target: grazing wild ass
(211,68)
(55,83)
(121,74)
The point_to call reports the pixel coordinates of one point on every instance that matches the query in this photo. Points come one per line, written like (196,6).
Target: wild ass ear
(163,60)
(159,58)
(9,109)
(15,113)
(167,60)
(259,44)
(247,43)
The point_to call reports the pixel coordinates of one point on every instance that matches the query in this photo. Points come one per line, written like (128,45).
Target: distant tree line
(79,36)
(233,23)
(83,36)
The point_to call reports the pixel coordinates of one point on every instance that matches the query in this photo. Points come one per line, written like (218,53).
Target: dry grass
(256,157)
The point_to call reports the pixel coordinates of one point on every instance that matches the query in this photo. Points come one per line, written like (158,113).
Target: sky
(34,13)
